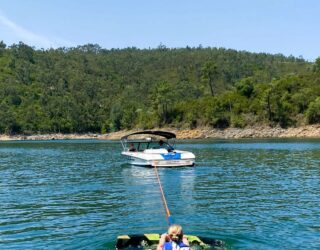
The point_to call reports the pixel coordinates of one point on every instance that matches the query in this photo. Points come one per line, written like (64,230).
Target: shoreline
(310,131)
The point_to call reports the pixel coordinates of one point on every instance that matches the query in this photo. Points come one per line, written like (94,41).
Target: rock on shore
(257,132)
(311,131)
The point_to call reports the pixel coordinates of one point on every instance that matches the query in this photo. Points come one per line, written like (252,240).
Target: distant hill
(91,89)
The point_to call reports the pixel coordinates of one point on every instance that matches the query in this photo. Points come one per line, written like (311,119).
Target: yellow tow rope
(169,219)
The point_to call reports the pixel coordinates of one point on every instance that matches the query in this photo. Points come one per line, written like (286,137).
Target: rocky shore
(311,131)
(57,136)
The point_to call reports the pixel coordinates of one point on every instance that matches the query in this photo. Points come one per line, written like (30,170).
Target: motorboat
(154,148)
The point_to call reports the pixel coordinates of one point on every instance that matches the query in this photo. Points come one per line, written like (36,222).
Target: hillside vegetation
(90,89)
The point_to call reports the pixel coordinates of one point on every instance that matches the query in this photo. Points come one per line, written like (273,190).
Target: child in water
(174,239)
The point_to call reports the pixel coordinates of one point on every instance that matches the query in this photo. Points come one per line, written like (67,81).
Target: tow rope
(165,204)
(144,241)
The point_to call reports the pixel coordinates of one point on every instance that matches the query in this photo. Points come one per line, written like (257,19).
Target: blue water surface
(80,194)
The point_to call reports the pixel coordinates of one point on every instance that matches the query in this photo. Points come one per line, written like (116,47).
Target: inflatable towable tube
(145,241)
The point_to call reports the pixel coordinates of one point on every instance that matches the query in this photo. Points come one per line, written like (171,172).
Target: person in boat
(174,239)
(165,145)
(132,148)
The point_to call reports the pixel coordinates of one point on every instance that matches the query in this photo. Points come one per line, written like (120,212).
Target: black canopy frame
(165,134)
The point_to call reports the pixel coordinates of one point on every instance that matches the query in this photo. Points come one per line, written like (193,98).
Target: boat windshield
(141,145)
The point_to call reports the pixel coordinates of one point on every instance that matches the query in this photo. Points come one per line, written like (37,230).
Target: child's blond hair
(175,232)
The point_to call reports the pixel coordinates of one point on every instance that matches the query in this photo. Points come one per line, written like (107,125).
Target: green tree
(245,86)
(8,120)
(210,74)
(317,65)
(163,98)
(313,112)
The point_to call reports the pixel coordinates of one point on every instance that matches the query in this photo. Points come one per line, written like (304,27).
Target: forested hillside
(90,89)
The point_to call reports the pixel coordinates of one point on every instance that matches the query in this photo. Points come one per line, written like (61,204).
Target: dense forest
(91,89)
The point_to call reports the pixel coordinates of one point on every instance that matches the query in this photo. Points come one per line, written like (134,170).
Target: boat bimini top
(141,138)
(167,135)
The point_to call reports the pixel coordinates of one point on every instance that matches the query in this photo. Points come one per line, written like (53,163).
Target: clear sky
(290,27)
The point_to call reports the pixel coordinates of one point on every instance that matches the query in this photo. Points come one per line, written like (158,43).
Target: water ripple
(81,195)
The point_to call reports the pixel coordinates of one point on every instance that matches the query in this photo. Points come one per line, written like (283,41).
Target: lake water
(80,195)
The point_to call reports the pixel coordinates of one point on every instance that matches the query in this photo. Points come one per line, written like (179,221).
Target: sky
(289,27)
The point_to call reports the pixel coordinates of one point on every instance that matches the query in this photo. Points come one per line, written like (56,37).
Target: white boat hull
(160,158)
